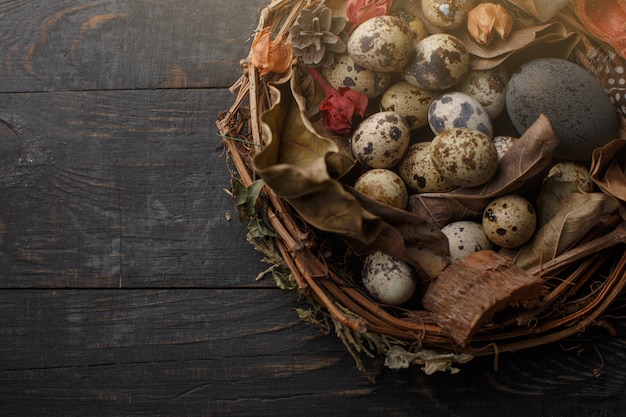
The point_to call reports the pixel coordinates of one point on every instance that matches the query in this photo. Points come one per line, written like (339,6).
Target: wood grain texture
(244,352)
(118,189)
(124,288)
(89,45)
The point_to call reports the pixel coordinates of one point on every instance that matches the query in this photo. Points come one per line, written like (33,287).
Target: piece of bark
(469,292)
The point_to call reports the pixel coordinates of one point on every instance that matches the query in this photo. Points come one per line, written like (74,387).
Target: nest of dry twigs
(576,286)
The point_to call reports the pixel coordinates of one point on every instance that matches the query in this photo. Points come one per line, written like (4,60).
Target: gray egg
(574,102)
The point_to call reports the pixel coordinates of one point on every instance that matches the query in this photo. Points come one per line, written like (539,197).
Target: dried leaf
(246,197)
(608,170)
(433,361)
(542,10)
(524,164)
(522,45)
(407,237)
(308,94)
(563,179)
(577,214)
(550,198)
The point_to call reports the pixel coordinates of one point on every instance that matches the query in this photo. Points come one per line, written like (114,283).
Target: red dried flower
(358,11)
(340,106)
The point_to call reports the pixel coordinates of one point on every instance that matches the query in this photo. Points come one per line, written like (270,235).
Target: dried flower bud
(487,18)
(271,55)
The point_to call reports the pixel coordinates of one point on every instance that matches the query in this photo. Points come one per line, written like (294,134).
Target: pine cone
(318,36)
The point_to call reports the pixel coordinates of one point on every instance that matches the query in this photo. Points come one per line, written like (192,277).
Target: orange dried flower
(271,55)
(486,19)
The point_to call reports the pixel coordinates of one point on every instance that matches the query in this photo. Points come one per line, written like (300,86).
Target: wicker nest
(545,303)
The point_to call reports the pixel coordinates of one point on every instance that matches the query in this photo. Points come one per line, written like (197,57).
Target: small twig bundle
(558,299)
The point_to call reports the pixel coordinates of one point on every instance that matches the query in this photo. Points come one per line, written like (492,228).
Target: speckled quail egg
(464,157)
(382,43)
(443,15)
(419,173)
(413,7)
(381,140)
(347,73)
(389,279)
(409,101)
(439,62)
(415,25)
(488,87)
(384,186)
(503,144)
(455,109)
(573,172)
(564,179)
(509,221)
(465,237)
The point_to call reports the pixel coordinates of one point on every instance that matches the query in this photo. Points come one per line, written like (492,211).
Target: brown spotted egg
(455,109)
(381,140)
(464,157)
(419,173)
(389,279)
(464,238)
(439,62)
(384,186)
(347,73)
(382,43)
(443,15)
(509,221)
(415,25)
(488,87)
(409,101)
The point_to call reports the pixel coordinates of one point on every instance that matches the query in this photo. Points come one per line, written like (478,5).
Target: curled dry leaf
(294,164)
(407,237)
(562,180)
(550,198)
(608,170)
(487,19)
(524,165)
(271,54)
(577,214)
(542,10)
(522,45)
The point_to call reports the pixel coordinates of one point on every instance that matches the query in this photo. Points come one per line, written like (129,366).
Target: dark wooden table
(126,290)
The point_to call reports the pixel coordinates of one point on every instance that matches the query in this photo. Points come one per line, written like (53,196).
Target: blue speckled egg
(455,109)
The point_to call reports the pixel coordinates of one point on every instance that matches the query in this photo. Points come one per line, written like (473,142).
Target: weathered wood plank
(243,352)
(118,189)
(87,45)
